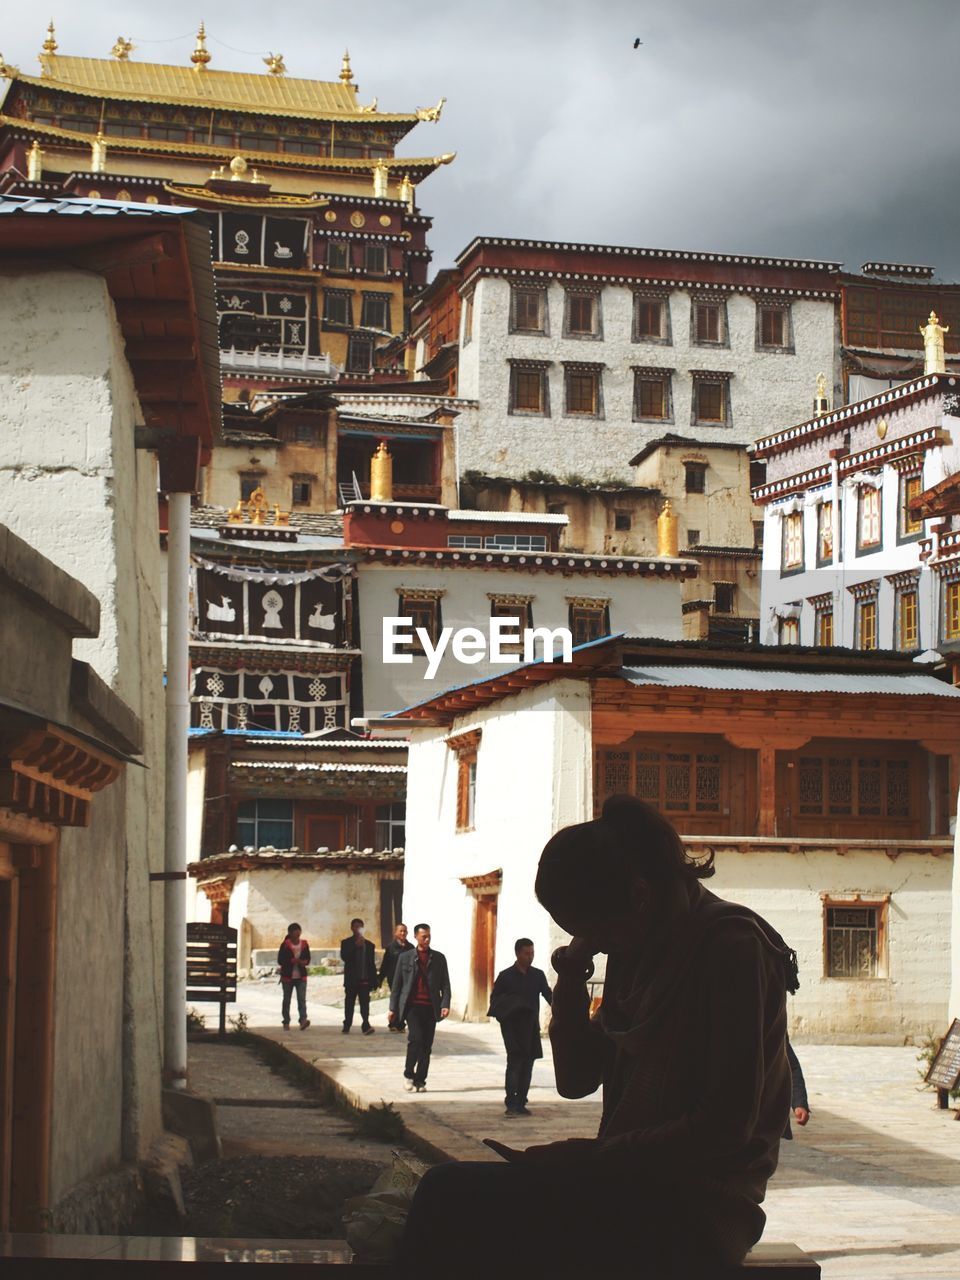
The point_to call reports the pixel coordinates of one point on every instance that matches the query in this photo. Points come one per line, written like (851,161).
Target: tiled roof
(318,766)
(326,523)
(805,682)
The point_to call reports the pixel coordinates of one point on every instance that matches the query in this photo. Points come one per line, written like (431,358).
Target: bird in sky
(637,43)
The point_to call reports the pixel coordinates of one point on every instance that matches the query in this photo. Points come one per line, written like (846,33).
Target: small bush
(383,1122)
(195,1020)
(239,1024)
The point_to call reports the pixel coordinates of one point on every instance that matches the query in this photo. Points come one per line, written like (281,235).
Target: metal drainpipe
(835,558)
(175,844)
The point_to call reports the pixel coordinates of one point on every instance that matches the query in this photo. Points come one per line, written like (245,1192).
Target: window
(677,782)
(825,533)
(375,311)
(520,609)
(910,527)
(908,618)
(651,319)
(869,530)
(301,493)
(359,355)
(468,541)
(249,480)
(792,559)
(708,322)
(866,624)
(296,146)
(773,327)
(556,509)
(695,477)
(757,534)
(588,620)
(528,310)
(391,827)
(305,433)
(338,307)
(529,391)
(265,822)
(375,259)
(951,610)
(758,474)
(136,131)
(338,255)
(622,521)
(582,389)
(466,746)
(710,398)
(348,150)
(423,610)
(163,134)
(789,631)
(724,594)
(221,139)
(259,142)
(468,318)
(651,395)
(824,628)
(693,537)
(516,542)
(581,316)
(854,938)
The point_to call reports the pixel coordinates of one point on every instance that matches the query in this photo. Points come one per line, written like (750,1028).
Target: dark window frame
(695,477)
(701,379)
(664,377)
(542,330)
(353,344)
(368,299)
(905,480)
(869,548)
(576,296)
(785,311)
(576,371)
(665,336)
(719,307)
(517,371)
(344,296)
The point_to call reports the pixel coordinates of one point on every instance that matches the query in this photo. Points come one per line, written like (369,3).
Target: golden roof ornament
(346,75)
(238,169)
(35,163)
(122,49)
(257,505)
(381,178)
(821,402)
(370,109)
(201,54)
(431,113)
(381,474)
(275,64)
(98,154)
(50,45)
(406,192)
(668,533)
(933,356)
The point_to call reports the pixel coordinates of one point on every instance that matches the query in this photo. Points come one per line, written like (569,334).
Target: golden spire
(406,192)
(933,357)
(122,49)
(50,45)
(821,401)
(346,75)
(98,153)
(275,64)
(668,534)
(35,163)
(201,55)
(381,180)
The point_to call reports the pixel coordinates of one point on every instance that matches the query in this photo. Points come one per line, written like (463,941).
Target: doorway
(482,954)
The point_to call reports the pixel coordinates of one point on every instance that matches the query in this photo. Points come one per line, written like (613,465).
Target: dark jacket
(359,963)
(798,1088)
(515,1003)
(388,965)
(286,961)
(405,982)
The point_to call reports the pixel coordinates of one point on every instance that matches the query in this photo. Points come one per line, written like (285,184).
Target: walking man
(388,965)
(293,959)
(359,976)
(515,1003)
(421,995)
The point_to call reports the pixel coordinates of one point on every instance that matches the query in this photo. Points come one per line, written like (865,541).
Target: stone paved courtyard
(871,1188)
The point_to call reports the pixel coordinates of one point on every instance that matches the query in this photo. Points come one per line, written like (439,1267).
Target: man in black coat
(359,976)
(515,1003)
(388,965)
(421,995)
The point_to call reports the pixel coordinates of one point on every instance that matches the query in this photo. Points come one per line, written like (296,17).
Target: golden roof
(274,95)
(244,201)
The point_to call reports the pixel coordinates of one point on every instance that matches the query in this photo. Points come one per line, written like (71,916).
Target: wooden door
(483,954)
(325,831)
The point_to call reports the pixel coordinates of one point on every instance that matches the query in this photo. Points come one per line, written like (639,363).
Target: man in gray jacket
(420,996)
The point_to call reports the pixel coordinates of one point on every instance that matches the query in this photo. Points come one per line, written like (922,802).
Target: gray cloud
(760,126)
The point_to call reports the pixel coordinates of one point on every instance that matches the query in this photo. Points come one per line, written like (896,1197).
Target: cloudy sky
(818,128)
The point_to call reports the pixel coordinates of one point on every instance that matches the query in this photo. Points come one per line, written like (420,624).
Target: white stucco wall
(77,490)
(534,775)
(766,388)
(639,605)
(786,889)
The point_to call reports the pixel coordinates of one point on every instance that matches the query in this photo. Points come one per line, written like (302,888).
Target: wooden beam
(153,309)
(142,350)
(122,255)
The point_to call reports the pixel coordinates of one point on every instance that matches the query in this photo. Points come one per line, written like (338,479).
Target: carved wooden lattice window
(466,746)
(675,782)
(869,532)
(825,533)
(910,526)
(854,786)
(793,541)
(855,939)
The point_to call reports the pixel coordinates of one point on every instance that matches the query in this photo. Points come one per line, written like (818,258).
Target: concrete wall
(76,489)
(766,388)
(639,605)
(786,889)
(534,775)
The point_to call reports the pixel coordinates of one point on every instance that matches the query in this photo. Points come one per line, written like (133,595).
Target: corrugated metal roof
(74,206)
(320,767)
(808,682)
(508,517)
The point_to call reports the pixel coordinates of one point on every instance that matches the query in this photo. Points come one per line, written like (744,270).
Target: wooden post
(767,790)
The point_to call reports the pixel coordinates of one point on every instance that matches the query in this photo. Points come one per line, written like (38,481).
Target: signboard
(944,1071)
(212,966)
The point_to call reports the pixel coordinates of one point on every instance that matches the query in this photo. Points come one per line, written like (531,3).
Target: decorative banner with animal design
(263,241)
(271,606)
(275,701)
(252,318)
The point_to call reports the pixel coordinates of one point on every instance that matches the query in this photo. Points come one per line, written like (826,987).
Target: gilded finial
(431,113)
(201,54)
(50,45)
(933,351)
(381,179)
(668,534)
(98,154)
(275,64)
(346,75)
(122,49)
(238,169)
(821,402)
(34,163)
(235,514)
(406,192)
(371,108)
(257,505)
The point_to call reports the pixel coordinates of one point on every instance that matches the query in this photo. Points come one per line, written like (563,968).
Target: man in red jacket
(293,959)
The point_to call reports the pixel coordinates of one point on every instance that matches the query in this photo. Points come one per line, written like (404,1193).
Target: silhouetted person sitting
(688,1046)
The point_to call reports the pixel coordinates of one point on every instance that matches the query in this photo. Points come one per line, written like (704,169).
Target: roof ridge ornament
(346,73)
(933,354)
(50,45)
(201,54)
(122,49)
(431,113)
(275,64)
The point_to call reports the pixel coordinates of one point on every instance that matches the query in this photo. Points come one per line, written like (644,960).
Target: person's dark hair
(521,942)
(589,868)
(355,920)
(418,927)
(291,927)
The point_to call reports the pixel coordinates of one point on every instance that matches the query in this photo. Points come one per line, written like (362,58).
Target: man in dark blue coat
(515,1003)
(421,995)
(359,976)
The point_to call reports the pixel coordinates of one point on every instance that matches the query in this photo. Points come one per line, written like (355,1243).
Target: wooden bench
(62,1257)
